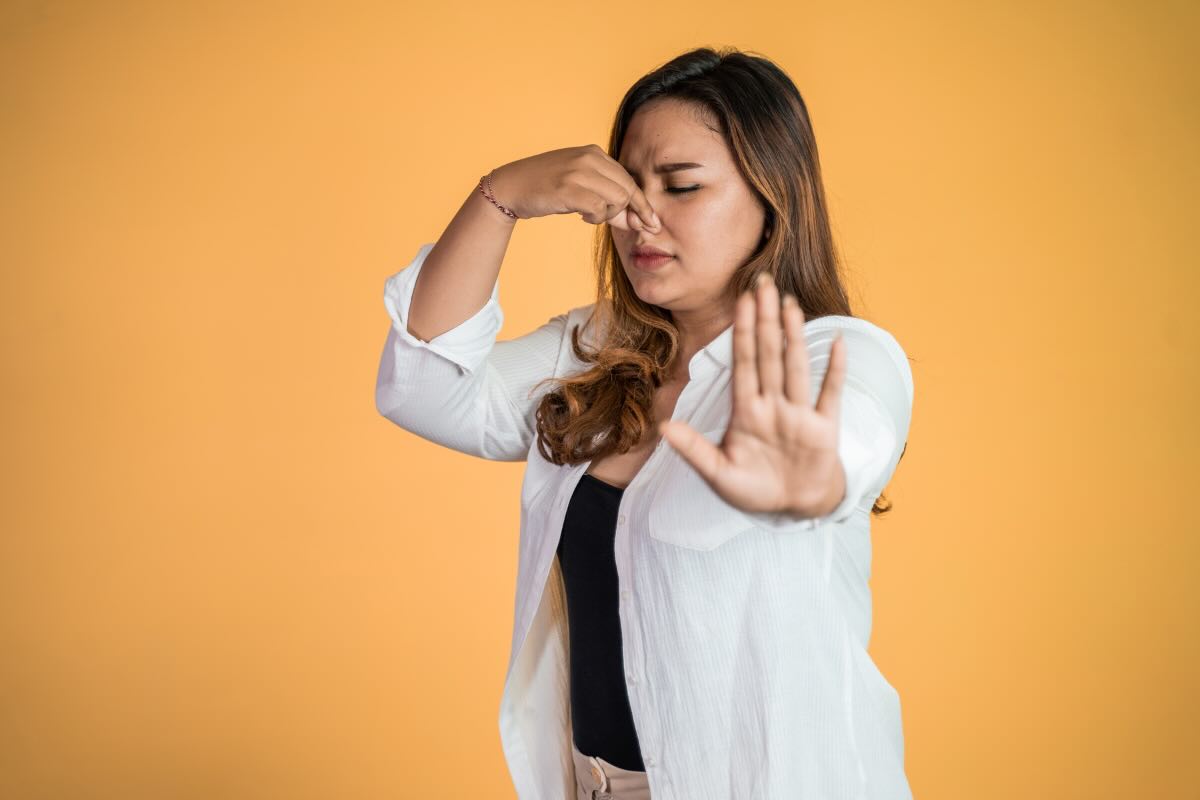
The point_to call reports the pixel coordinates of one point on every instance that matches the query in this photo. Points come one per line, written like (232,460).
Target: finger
(597,199)
(770,337)
(795,357)
(829,400)
(626,220)
(745,370)
(704,456)
(612,169)
(639,207)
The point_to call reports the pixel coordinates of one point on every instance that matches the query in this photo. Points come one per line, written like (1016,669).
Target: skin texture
(779,453)
(711,231)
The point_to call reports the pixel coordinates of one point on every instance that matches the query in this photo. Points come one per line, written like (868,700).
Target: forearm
(459,273)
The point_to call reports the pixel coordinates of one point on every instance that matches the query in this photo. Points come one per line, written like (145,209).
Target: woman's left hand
(779,453)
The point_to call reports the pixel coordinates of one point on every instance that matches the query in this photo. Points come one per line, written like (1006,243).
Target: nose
(648,224)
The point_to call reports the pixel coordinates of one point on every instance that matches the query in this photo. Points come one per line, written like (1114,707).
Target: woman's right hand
(583,180)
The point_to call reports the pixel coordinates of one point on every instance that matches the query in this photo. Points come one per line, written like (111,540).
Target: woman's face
(711,219)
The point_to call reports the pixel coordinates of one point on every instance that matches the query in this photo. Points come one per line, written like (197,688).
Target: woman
(691,620)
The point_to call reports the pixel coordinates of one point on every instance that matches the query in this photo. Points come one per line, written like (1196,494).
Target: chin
(648,290)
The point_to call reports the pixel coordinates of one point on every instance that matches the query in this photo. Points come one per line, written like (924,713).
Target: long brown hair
(608,407)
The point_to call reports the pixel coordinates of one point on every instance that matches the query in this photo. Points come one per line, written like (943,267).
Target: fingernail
(761,279)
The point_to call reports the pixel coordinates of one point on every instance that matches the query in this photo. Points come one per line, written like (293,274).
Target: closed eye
(682,189)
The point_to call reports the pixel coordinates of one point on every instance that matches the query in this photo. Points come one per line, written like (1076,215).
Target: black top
(600,713)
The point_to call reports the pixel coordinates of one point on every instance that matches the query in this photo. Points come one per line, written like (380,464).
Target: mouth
(651,261)
(647,256)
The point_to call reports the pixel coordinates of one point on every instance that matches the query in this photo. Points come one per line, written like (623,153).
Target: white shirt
(744,635)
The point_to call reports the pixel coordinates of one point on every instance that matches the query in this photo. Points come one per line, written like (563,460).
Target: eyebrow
(674,166)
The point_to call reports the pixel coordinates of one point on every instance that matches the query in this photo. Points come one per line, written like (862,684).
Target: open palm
(779,453)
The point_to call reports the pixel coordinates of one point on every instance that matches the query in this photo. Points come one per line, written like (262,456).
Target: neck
(696,329)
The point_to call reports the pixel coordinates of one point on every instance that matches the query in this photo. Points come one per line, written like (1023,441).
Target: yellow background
(224,575)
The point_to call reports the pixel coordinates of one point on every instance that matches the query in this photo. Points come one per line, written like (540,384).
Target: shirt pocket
(686,512)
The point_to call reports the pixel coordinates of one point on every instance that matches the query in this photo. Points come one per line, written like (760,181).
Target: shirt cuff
(466,344)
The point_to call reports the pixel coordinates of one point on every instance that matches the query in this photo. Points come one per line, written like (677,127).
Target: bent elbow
(381,401)
(387,402)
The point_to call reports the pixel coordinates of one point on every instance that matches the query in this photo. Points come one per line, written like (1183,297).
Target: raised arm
(877,399)
(801,435)
(463,389)
(442,374)
(465,264)
(459,274)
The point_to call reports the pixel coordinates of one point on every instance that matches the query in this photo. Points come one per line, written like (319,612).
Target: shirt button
(649,761)
(632,678)
(624,594)
(621,520)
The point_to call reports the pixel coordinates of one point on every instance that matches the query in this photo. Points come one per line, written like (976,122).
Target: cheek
(712,239)
(703,233)
(622,242)
(704,216)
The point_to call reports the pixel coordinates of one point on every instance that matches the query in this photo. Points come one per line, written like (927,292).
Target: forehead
(669,129)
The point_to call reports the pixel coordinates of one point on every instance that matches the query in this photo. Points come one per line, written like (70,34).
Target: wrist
(831,497)
(487,189)
(488,212)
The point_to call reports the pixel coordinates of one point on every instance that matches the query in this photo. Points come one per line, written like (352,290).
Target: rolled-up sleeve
(463,389)
(466,344)
(876,410)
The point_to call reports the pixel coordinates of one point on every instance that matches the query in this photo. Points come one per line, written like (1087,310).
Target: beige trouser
(596,779)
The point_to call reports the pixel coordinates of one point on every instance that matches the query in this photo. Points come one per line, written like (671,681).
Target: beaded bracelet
(491,199)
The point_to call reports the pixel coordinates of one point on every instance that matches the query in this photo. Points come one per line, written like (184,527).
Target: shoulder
(873,352)
(561,327)
(586,319)
(859,328)
(581,314)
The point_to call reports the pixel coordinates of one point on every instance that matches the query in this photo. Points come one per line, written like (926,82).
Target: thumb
(704,456)
(627,220)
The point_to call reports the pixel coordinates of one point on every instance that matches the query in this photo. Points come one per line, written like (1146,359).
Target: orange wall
(223,574)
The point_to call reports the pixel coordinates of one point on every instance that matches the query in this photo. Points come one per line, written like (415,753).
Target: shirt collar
(716,354)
